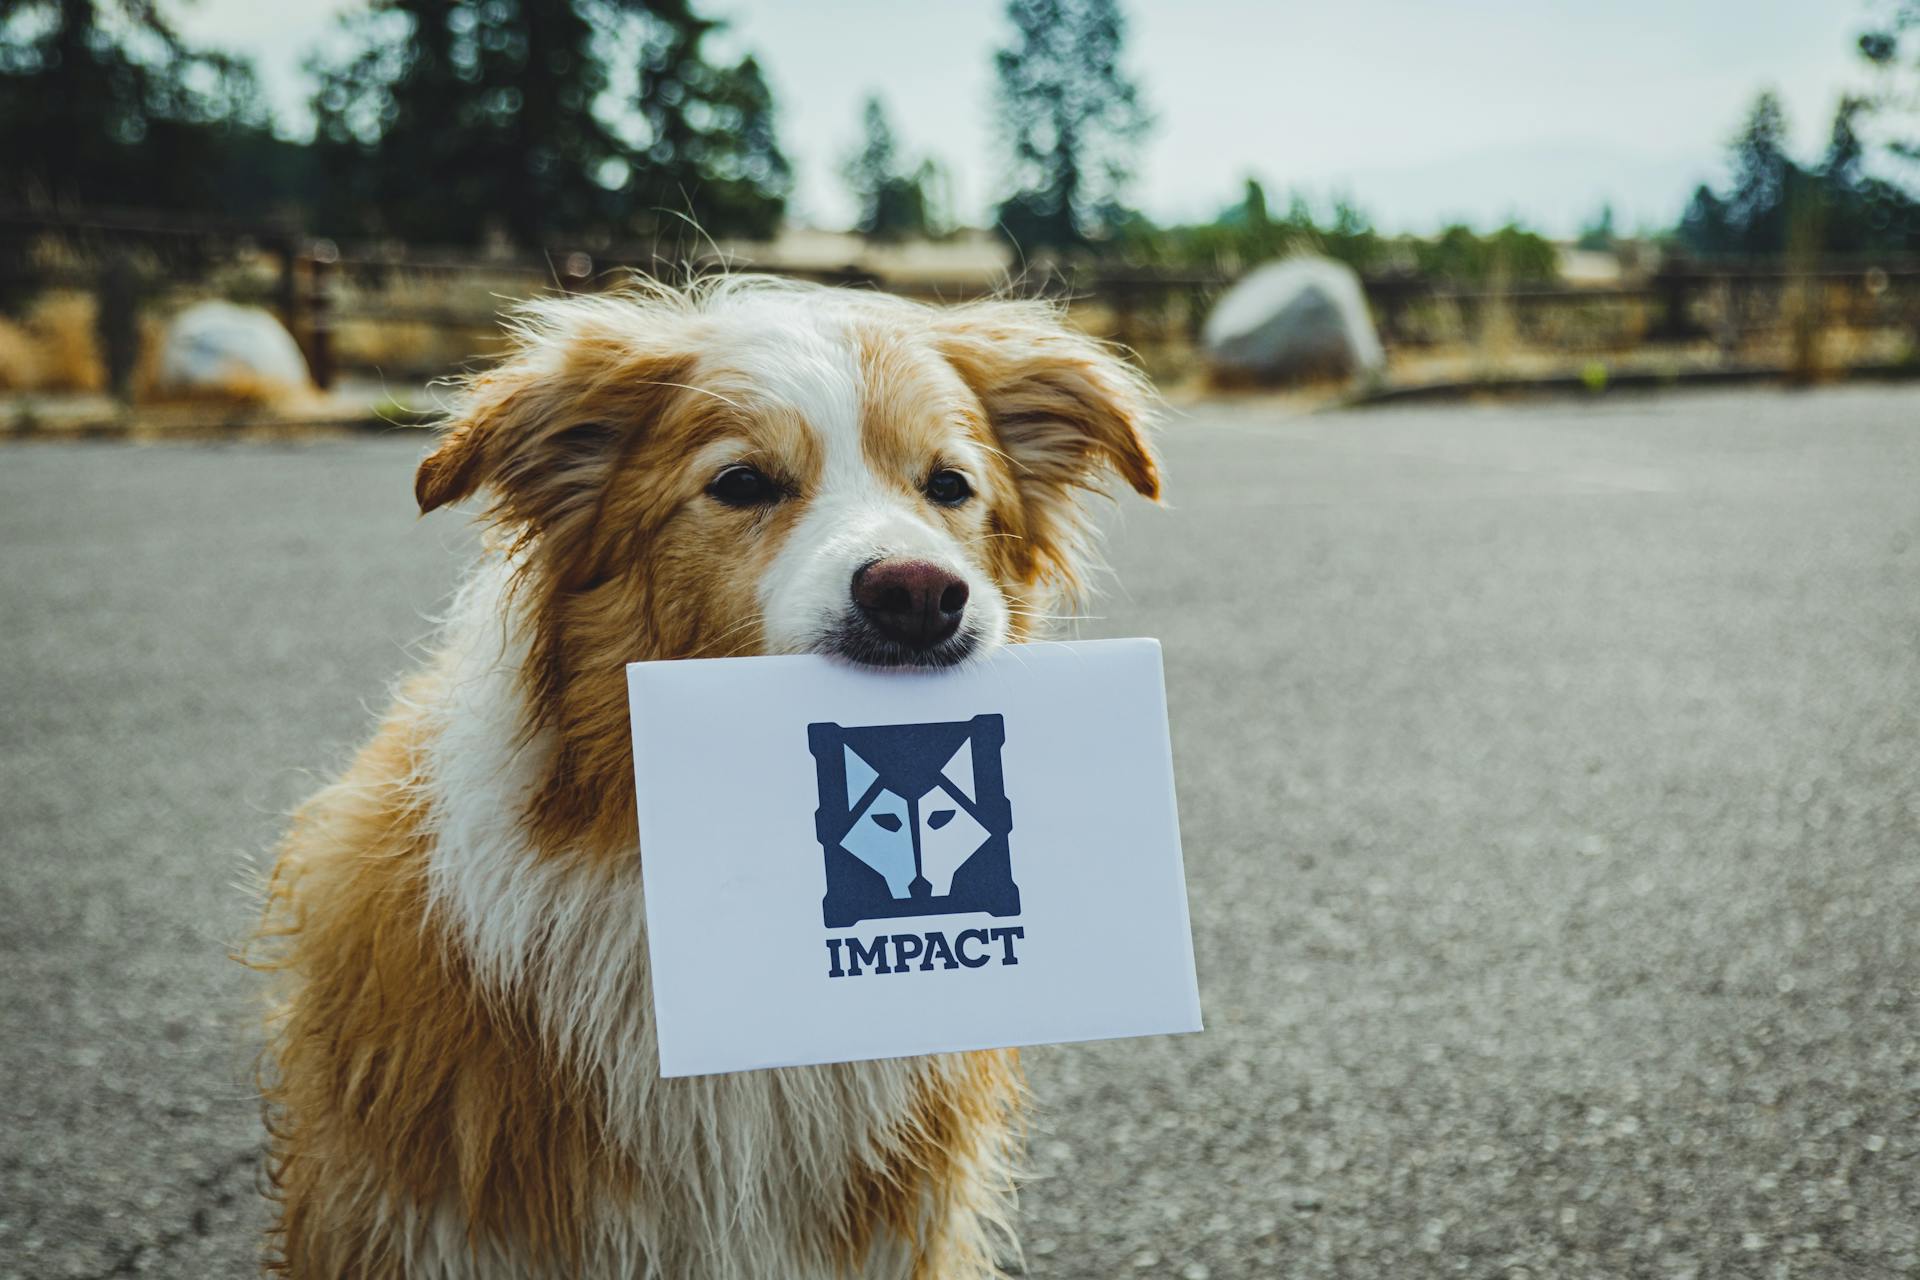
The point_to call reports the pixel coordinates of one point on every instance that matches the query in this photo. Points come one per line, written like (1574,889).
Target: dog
(461,1077)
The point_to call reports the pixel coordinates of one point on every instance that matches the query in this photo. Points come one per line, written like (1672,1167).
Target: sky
(1421,111)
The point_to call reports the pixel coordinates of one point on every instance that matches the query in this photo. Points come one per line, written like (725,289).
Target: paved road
(1551,779)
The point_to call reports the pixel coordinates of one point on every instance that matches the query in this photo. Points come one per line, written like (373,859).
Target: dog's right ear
(544,429)
(461,462)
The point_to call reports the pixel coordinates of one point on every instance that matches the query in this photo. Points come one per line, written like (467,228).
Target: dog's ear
(471,440)
(1064,406)
(544,429)
(1067,411)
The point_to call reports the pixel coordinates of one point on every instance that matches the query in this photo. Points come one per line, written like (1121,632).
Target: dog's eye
(939,818)
(948,488)
(743,486)
(887,821)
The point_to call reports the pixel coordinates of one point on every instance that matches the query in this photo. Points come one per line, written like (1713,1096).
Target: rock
(1297,318)
(226,349)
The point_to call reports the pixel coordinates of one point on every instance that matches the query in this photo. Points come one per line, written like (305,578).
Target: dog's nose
(916,603)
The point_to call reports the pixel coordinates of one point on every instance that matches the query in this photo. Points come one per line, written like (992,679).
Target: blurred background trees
(524,123)
(466,151)
(102,103)
(1249,232)
(1892,46)
(454,117)
(1072,119)
(709,152)
(444,121)
(1775,205)
(895,197)
(448,117)
(1599,235)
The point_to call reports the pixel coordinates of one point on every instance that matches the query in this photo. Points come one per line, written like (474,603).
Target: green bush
(1247,234)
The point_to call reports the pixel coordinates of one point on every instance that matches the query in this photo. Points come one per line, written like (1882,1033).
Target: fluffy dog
(462,1078)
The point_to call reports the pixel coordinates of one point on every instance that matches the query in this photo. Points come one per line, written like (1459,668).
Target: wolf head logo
(913,819)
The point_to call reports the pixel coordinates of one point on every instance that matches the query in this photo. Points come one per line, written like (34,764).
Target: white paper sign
(844,863)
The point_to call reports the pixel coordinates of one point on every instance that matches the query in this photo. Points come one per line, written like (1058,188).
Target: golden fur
(452,1090)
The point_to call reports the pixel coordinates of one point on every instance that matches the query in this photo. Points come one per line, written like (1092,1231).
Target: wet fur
(462,1078)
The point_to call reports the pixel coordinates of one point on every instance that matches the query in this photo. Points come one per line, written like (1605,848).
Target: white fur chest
(740,1174)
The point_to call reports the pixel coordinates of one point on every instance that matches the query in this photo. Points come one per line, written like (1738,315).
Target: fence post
(1807,298)
(1385,297)
(1673,283)
(1125,329)
(286,292)
(1196,300)
(321,255)
(576,273)
(117,320)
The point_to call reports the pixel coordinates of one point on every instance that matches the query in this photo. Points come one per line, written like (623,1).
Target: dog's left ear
(1065,408)
(1068,414)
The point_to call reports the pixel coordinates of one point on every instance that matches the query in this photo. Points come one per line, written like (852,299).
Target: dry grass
(413,349)
(70,359)
(54,348)
(19,358)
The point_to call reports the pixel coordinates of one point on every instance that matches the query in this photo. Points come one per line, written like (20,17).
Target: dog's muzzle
(905,613)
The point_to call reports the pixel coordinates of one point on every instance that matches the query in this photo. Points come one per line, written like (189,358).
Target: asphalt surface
(1550,778)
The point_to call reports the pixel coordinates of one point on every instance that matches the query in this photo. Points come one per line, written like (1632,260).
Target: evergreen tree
(1253,205)
(1845,156)
(1072,119)
(1247,233)
(1756,216)
(1704,227)
(1764,179)
(1892,43)
(1599,234)
(893,199)
(103,103)
(747,177)
(549,146)
(710,152)
(1775,206)
(1861,211)
(454,116)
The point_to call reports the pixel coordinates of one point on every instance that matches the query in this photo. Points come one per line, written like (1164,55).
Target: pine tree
(1895,41)
(1704,227)
(1764,179)
(1775,206)
(1599,234)
(893,199)
(747,177)
(104,103)
(1842,166)
(1072,119)
(711,151)
(1756,214)
(456,116)
(395,122)
(543,79)
(1861,211)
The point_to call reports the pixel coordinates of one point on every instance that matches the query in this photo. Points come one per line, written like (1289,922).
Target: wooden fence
(317,286)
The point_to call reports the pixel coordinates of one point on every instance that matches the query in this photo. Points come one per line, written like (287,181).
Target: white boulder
(1297,318)
(220,347)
